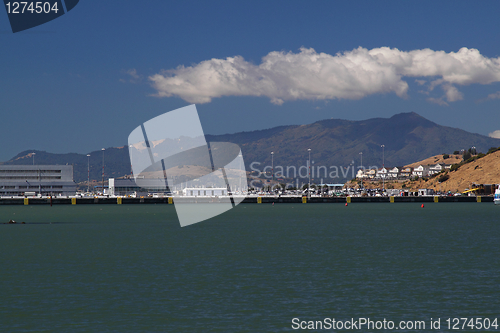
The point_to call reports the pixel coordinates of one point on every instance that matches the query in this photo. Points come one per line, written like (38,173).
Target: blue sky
(85,80)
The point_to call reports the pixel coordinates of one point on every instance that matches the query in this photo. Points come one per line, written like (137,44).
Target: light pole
(103,170)
(272,166)
(362,169)
(309,185)
(383,167)
(131,167)
(240,157)
(33,157)
(88,172)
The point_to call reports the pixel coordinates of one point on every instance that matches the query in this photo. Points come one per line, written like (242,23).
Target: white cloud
(287,76)
(494,95)
(452,94)
(438,101)
(495,134)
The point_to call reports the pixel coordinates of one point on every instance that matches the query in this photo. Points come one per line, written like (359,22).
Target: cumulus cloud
(309,75)
(495,134)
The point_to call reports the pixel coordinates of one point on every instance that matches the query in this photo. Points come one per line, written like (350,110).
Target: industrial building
(45,180)
(128,186)
(205,191)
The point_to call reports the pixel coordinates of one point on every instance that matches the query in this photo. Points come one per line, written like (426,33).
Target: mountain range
(407,137)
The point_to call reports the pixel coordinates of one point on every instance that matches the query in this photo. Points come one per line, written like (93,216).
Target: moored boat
(496,200)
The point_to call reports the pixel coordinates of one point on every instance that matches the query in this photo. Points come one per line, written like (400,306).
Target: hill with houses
(437,173)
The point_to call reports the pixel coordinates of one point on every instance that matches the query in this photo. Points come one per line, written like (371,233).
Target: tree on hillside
(467,155)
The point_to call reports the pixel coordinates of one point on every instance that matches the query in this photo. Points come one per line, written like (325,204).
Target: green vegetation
(445,156)
(469,158)
(492,150)
(443,178)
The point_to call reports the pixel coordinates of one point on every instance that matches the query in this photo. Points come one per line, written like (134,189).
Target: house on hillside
(361,174)
(393,173)
(405,172)
(382,173)
(421,171)
(438,168)
(371,174)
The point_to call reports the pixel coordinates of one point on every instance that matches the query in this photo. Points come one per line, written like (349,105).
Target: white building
(361,174)
(382,173)
(421,171)
(438,168)
(393,173)
(16,180)
(204,191)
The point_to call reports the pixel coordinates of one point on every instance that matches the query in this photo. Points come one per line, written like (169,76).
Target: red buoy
(422,206)
(346,204)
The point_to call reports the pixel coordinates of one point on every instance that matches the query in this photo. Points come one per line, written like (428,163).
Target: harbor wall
(247,200)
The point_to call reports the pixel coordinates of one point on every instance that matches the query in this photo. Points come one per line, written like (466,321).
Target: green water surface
(132,268)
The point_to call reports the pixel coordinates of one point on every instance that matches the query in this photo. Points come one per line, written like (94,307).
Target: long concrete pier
(247,200)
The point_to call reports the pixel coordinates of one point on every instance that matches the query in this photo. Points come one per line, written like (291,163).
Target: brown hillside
(485,170)
(452,159)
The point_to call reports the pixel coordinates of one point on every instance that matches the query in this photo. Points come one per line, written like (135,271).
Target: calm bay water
(132,268)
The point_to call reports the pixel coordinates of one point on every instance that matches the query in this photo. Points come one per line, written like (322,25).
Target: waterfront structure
(205,191)
(128,187)
(425,192)
(45,180)
(333,189)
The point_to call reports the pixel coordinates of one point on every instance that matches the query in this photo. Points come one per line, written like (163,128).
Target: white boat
(496,200)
